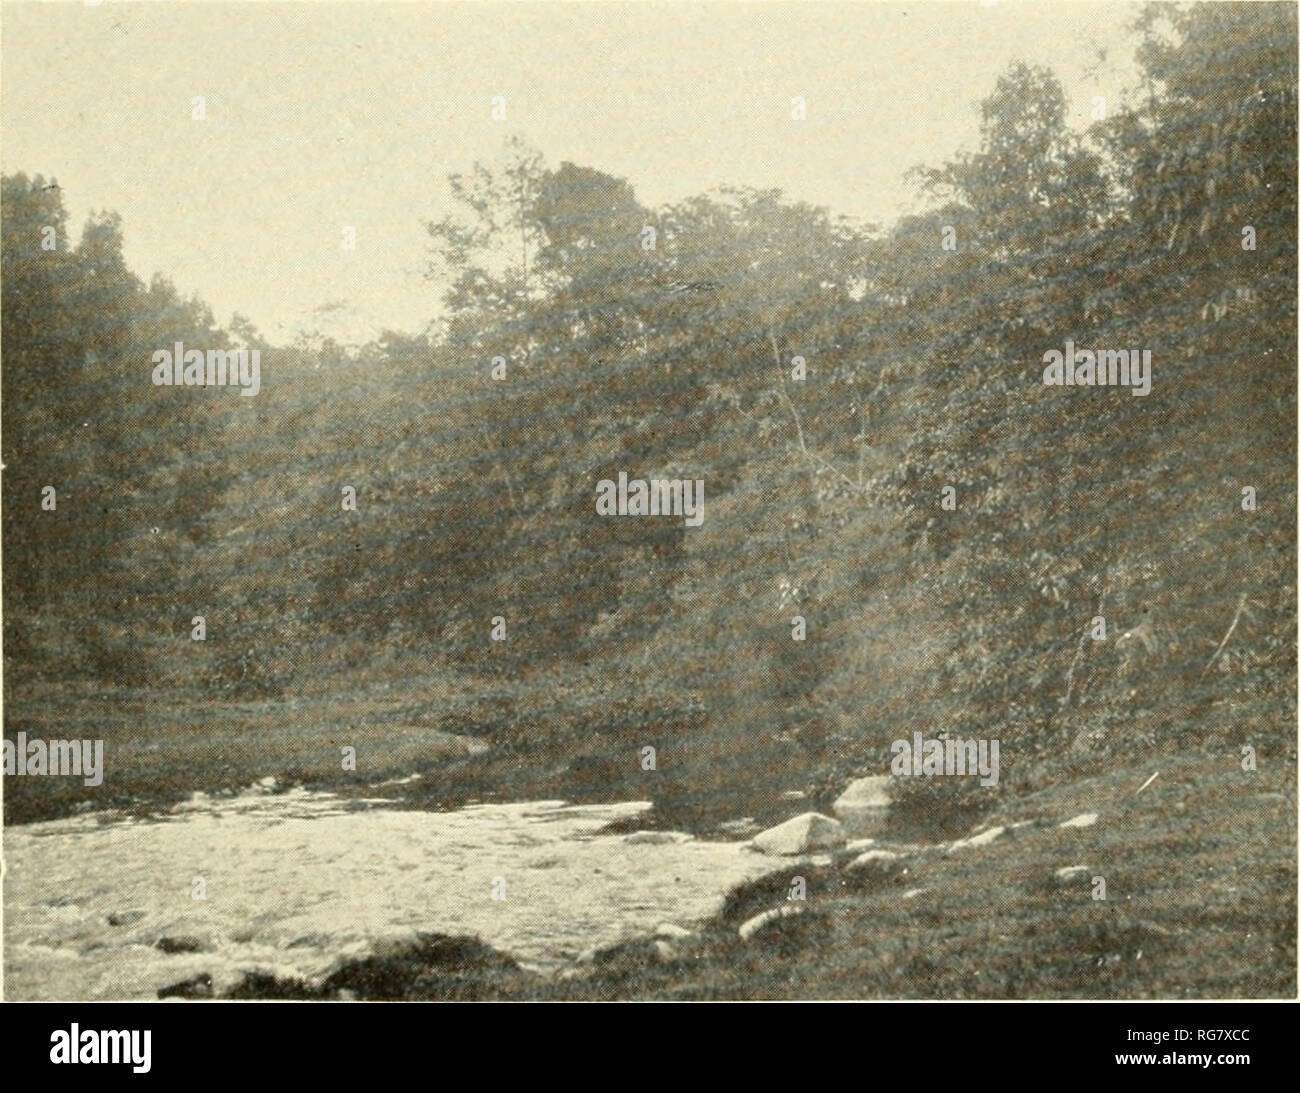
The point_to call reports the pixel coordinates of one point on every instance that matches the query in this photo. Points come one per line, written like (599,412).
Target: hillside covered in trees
(1082,572)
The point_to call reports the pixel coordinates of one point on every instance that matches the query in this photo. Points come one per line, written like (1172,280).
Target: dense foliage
(676,359)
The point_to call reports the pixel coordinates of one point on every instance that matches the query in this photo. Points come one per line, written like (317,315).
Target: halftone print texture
(733,501)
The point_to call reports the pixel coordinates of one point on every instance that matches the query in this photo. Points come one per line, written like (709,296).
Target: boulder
(185,944)
(876,861)
(428,966)
(637,952)
(801,835)
(752,926)
(863,807)
(1086,819)
(1069,873)
(198,987)
(982,839)
(270,983)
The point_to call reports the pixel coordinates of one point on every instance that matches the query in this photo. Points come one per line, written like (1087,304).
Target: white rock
(873,859)
(872,792)
(864,804)
(672,932)
(1072,872)
(912,893)
(801,835)
(982,839)
(1087,819)
(751,926)
(857,846)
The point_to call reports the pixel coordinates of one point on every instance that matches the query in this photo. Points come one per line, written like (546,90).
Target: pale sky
(322,116)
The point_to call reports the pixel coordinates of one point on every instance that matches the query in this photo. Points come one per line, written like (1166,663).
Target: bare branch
(798,425)
(1241,603)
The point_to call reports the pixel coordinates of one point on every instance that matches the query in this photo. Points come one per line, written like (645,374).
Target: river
(293,882)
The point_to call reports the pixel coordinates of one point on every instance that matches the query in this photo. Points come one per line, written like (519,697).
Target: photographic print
(642,501)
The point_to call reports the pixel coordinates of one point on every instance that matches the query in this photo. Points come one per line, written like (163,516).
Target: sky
(325,116)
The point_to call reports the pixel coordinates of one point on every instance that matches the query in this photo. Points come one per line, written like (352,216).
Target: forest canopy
(864,404)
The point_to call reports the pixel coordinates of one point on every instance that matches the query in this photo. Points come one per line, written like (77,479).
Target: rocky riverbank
(291,885)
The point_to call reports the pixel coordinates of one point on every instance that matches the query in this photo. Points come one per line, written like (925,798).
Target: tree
(81,416)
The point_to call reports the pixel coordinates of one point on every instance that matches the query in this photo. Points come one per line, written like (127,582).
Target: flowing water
(295,881)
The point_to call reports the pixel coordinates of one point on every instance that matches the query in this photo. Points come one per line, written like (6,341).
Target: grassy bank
(989,921)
